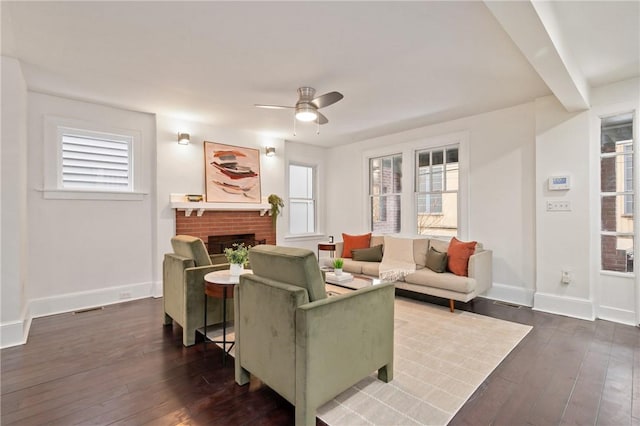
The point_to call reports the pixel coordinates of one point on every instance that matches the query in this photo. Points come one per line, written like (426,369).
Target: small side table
(330,247)
(219,284)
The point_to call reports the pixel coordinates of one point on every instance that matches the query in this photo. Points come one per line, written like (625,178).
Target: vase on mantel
(236,269)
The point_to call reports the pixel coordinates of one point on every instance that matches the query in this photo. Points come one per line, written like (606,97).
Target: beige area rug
(440,359)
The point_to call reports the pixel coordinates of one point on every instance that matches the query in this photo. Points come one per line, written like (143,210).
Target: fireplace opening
(217,243)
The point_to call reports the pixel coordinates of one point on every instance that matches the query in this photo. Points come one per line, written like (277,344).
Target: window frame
(388,146)
(313,199)
(53,187)
(443,183)
(393,192)
(601,194)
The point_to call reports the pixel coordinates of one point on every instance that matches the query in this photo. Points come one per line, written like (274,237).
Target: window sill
(304,237)
(66,194)
(618,274)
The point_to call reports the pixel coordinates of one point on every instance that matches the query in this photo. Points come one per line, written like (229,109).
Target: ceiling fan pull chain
(294,125)
(318,125)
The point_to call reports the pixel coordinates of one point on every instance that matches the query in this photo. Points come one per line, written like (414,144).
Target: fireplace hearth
(217,243)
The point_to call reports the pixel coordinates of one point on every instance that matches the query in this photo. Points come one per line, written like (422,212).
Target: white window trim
(52,188)
(595,271)
(408,220)
(307,235)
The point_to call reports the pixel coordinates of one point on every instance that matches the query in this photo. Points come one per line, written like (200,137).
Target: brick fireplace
(226,223)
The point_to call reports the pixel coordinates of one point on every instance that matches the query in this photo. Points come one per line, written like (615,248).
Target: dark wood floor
(119,365)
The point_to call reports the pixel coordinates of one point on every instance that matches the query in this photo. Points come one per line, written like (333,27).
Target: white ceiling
(400,65)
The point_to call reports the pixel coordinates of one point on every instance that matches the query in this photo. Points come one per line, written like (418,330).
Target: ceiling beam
(533,27)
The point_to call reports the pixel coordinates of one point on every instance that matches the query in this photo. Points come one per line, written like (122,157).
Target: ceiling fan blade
(273,106)
(322,119)
(327,99)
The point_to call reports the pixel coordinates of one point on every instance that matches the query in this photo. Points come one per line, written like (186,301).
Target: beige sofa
(424,280)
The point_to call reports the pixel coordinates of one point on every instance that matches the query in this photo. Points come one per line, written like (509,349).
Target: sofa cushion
(436,260)
(377,240)
(353,266)
(459,253)
(439,244)
(371,254)
(420,250)
(352,242)
(371,268)
(446,281)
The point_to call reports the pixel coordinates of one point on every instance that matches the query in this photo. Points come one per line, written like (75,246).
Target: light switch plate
(559,206)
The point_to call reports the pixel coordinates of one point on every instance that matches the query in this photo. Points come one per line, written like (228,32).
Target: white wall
(180,170)
(501,199)
(570,143)
(563,238)
(86,253)
(13,203)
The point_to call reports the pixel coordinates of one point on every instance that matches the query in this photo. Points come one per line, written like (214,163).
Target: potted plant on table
(238,257)
(337,266)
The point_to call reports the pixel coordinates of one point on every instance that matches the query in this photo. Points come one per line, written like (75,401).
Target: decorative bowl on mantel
(194,197)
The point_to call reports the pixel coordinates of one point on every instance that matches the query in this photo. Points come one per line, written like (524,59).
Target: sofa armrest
(481,269)
(339,248)
(341,339)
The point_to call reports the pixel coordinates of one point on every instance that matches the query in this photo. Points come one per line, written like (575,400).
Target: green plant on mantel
(276,204)
(239,254)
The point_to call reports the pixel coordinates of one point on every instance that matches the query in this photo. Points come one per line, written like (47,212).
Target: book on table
(331,277)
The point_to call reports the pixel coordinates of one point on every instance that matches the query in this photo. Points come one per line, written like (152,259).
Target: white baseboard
(16,332)
(157,289)
(564,305)
(621,316)
(509,293)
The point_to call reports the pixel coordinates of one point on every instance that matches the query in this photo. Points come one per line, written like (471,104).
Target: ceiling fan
(307,106)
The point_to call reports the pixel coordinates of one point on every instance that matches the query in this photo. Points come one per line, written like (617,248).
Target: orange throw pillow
(459,253)
(354,242)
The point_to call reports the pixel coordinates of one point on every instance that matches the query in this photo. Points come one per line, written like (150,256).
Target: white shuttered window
(95,161)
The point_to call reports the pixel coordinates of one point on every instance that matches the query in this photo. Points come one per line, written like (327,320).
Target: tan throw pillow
(436,260)
(371,254)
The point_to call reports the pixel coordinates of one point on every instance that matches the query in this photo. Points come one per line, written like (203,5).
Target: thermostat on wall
(558,183)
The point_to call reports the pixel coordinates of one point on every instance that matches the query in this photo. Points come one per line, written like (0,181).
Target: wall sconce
(270,151)
(183,138)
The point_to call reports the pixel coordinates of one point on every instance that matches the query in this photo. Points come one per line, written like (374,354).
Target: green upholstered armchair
(183,274)
(304,345)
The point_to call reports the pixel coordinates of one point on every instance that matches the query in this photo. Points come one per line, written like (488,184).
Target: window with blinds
(95,161)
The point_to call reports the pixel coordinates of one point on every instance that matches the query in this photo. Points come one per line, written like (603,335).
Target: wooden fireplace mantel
(180,203)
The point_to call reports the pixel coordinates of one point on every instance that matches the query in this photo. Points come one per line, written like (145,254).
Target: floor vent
(510,305)
(82,311)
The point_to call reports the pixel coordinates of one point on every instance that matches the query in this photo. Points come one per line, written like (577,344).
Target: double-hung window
(617,193)
(436,191)
(385,193)
(302,199)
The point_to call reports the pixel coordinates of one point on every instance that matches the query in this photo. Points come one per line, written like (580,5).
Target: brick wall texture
(226,223)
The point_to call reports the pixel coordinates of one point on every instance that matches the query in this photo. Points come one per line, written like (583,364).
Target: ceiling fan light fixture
(306,113)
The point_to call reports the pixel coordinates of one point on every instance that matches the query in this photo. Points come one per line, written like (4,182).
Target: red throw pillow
(459,253)
(354,242)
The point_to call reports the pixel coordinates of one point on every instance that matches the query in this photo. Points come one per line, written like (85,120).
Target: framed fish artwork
(232,173)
